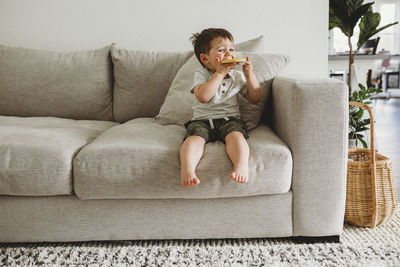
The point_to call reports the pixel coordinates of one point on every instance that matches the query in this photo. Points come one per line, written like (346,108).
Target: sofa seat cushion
(140,159)
(37,153)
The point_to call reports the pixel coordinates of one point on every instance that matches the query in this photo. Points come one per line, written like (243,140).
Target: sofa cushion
(177,106)
(140,159)
(37,152)
(142,79)
(75,85)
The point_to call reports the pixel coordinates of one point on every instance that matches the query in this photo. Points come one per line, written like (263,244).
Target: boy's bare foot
(240,175)
(189,179)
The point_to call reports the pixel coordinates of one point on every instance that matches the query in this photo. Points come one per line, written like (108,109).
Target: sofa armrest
(311,116)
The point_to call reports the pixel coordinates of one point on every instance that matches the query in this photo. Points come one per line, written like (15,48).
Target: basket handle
(373,162)
(372,145)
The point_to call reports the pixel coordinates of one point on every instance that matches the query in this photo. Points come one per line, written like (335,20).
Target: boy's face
(221,48)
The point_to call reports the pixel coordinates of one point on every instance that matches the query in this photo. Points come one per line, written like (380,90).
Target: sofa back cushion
(75,85)
(142,79)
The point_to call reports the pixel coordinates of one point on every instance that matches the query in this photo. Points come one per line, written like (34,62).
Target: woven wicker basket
(371,197)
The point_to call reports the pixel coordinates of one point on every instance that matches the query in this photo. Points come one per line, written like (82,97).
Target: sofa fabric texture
(266,67)
(116,165)
(305,114)
(76,85)
(141,80)
(37,153)
(67,218)
(69,172)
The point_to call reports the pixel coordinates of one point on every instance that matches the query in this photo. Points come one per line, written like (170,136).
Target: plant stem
(351,61)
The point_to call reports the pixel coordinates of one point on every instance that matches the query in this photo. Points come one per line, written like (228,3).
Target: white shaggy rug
(358,247)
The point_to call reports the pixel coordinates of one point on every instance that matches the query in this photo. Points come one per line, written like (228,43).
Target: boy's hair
(202,41)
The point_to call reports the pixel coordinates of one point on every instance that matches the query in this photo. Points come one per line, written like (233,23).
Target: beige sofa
(82,156)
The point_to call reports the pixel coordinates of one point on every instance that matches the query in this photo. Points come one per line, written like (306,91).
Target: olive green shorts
(221,129)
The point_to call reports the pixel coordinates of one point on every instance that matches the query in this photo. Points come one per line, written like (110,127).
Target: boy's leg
(239,152)
(190,154)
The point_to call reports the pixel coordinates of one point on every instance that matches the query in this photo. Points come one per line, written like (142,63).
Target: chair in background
(392,72)
(370,46)
(388,70)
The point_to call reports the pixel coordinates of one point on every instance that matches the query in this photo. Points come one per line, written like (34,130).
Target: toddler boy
(216,114)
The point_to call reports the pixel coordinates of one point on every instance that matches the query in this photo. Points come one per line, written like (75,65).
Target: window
(389,38)
(387,41)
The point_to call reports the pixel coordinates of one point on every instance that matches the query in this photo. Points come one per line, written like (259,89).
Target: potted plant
(345,14)
(357,124)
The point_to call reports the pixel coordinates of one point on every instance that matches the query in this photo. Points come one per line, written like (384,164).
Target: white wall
(294,28)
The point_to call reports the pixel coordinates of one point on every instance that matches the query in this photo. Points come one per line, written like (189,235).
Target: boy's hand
(225,68)
(247,68)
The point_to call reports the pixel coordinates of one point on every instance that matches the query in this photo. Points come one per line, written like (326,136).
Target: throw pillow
(176,108)
(266,67)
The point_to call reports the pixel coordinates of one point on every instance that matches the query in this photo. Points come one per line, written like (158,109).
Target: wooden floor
(387,132)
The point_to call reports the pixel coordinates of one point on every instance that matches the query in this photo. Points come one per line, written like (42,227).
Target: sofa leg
(316,239)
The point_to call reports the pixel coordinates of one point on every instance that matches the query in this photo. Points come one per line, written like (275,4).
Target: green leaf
(353,5)
(335,22)
(383,28)
(375,32)
(361,129)
(362,95)
(365,145)
(368,25)
(352,121)
(338,8)
(345,14)
(359,13)
(365,122)
(360,113)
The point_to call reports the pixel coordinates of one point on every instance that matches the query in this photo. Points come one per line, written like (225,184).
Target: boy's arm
(205,91)
(253,87)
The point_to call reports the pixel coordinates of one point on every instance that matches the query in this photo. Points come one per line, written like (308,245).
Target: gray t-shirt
(225,102)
